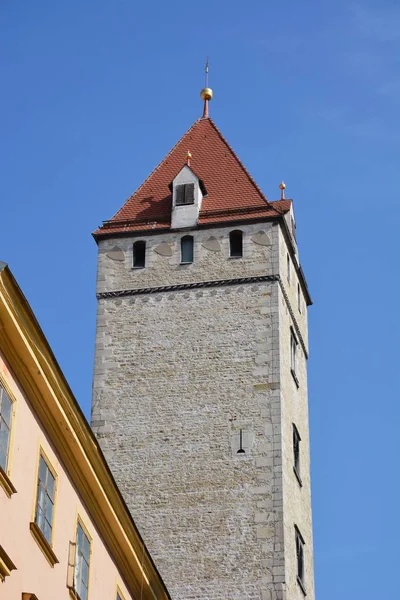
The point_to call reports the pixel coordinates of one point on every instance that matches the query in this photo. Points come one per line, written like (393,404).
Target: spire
(206,93)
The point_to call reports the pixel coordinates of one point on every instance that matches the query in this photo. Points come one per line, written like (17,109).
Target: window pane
(3,459)
(4,437)
(42,471)
(49,510)
(41,496)
(83,594)
(6,406)
(86,548)
(187,249)
(79,538)
(39,518)
(47,531)
(85,572)
(50,485)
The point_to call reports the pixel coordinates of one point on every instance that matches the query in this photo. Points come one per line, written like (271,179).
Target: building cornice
(37,371)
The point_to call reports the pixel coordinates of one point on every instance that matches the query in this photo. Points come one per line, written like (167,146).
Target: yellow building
(65,531)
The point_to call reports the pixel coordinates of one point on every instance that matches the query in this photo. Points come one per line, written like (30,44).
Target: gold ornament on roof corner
(206,93)
(282,187)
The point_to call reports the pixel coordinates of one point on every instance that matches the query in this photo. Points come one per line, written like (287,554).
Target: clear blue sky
(94,94)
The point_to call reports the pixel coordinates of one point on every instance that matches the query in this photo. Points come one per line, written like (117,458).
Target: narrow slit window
(184,194)
(139,254)
(45,499)
(288,267)
(82,563)
(236,244)
(300,559)
(298,297)
(5,427)
(296,451)
(293,353)
(187,249)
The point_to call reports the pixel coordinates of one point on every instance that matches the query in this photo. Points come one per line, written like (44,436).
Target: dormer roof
(232,194)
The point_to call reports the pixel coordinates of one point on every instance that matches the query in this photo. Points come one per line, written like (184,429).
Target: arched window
(139,254)
(187,249)
(236,243)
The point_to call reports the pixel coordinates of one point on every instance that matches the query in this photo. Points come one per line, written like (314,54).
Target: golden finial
(206,94)
(282,187)
(188,157)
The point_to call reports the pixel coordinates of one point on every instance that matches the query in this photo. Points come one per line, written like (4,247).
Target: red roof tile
(232,193)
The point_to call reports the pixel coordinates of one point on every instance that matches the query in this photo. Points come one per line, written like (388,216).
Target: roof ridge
(156,168)
(235,156)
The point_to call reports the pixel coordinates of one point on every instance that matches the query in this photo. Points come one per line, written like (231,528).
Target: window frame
(144,243)
(235,232)
(300,567)
(185,186)
(187,238)
(52,471)
(297,454)
(293,356)
(80,523)
(5,481)
(118,594)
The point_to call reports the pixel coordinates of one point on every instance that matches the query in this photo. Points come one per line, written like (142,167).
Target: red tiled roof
(232,193)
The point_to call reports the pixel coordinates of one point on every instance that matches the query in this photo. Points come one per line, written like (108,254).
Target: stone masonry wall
(178,375)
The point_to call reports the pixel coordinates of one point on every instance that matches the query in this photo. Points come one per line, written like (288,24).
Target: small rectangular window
(236,244)
(45,499)
(300,559)
(184,194)
(82,563)
(293,355)
(288,267)
(5,427)
(139,254)
(187,249)
(296,452)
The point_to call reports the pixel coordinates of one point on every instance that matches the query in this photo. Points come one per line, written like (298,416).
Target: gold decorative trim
(28,596)
(6,564)
(43,544)
(6,483)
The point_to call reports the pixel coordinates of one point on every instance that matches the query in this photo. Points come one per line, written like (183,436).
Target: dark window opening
(300,559)
(241,449)
(184,194)
(298,298)
(296,452)
(236,244)
(139,255)
(187,249)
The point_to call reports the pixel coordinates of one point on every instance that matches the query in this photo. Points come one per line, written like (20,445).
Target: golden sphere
(206,93)
(282,186)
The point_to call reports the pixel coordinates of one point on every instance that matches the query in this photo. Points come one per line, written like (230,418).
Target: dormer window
(184,194)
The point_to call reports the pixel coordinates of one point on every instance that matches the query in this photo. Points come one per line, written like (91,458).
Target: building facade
(200,383)
(65,531)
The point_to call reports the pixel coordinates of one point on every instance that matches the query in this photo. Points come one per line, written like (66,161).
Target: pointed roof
(232,194)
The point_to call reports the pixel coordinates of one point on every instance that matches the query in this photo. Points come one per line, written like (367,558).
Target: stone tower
(200,380)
